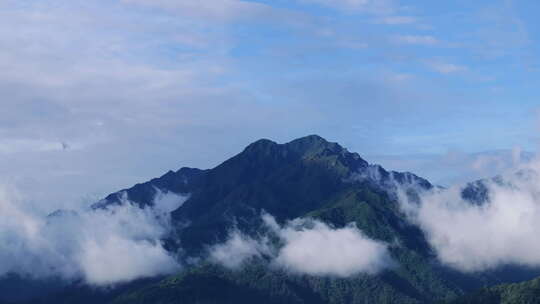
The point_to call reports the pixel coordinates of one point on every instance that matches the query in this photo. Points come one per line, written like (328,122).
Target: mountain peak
(311,138)
(262,147)
(307,145)
(261,143)
(313,144)
(311,147)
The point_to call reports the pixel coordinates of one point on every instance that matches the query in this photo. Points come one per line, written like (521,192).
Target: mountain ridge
(310,147)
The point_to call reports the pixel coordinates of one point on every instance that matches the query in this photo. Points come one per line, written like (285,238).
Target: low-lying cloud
(237,249)
(102,247)
(307,246)
(474,236)
(314,248)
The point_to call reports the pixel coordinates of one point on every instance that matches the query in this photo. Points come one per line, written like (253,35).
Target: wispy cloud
(455,166)
(476,237)
(314,248)
(445,67)
(397,20)
(215,10)
(309,247)
(102,247)
(416,40)
(368,6)
(238,249)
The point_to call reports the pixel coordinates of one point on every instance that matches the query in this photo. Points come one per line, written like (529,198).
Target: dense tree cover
(517,293)
(255,284)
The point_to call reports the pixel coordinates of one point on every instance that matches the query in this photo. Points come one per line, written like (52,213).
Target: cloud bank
(307,247)
(102,247)
(472,236)
(314,248)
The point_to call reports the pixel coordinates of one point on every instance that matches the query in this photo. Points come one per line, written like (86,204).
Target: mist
(498,228)
(307,246)
(101,247)
(238,249)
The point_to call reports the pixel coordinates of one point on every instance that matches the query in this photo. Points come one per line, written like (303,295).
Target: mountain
(516,293)
(286,180)
(306,178)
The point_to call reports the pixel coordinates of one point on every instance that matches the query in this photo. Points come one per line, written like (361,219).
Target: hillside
(518,293)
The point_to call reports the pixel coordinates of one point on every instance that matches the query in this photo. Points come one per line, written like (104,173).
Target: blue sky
(98,95)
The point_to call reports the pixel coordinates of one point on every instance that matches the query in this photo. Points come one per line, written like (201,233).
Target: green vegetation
(255,284)
(517,293)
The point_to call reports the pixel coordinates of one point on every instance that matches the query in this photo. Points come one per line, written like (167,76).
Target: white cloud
(397,20)
(416,40)
(308,247)
(446,68)
(237,249)
(323,251)
(455,166)
(473,237)
(398,77)
(102,247)
(369,6)
(213,10)
(167,202)
(116,259)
